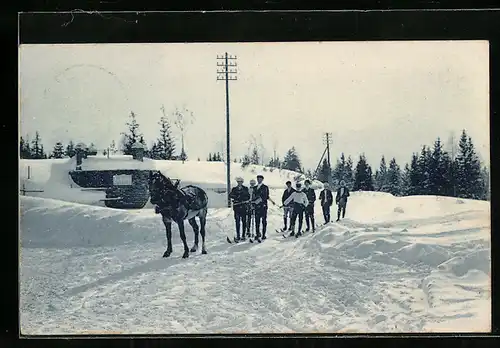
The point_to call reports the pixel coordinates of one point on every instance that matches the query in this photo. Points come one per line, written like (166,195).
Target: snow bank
(58,224)
(52,177)
(53,223)
(379,207)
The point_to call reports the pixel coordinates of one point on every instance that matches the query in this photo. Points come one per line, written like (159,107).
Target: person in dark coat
(326,199)
(311,196)
(287,209)
(341,199)
(261,196)
(251,209)
(240,197)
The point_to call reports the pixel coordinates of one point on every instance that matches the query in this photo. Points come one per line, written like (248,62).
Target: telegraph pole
(225,73)
(328,142)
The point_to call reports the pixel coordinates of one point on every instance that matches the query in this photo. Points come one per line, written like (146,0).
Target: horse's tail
(206,198)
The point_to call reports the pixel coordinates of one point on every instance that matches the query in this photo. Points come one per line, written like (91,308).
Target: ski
(234,241)
(317,229)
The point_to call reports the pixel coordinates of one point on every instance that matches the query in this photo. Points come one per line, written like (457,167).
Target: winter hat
(239,179)
(260,176)
(252,182)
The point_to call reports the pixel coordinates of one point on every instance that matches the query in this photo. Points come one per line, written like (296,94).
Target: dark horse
(179,204)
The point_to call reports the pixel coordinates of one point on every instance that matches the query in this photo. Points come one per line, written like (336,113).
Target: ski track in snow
(405,275)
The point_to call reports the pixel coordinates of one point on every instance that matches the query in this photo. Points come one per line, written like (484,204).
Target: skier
(261,196)
(341,199)
(311,196)
(240,197)
(250,208)
(300,202)
(326,198)
(287,209)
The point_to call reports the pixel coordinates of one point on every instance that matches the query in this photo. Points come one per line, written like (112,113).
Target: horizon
(413,92)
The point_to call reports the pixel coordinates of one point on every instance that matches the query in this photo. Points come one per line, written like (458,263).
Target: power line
(226,71)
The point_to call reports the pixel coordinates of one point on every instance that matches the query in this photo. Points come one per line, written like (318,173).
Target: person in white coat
(300,202)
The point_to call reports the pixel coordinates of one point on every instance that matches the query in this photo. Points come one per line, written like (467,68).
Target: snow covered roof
(117,162)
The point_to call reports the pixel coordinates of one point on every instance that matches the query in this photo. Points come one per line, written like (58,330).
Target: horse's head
(161,188)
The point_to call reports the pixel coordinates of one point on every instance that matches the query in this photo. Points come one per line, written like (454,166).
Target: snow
(52,177)
(424,267)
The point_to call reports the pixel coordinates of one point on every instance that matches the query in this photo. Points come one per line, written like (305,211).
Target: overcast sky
(375,97)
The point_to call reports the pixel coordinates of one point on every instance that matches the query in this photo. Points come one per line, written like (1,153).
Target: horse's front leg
(203,222)
(196,231)
(183,238)
(168,228)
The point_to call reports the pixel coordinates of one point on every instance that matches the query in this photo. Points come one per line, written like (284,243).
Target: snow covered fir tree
(132,135)
(164,147)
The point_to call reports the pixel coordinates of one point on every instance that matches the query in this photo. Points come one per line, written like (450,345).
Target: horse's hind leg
(196,231)
(168,229)
(183,238)
(203,222)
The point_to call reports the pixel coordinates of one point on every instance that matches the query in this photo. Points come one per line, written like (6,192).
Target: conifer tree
(165,145)
(254,157)
(406,181)
(24,148)
(415,176)
(70,149)
(423,165)
(469,179)
(393,178)
(438,170)
(381,176)
(363,176)
(324,171)
(58,151)
(133,135)
(292,161)
(339,172)
(37,151)
(348,173)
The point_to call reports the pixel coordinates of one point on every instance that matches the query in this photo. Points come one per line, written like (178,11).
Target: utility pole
(328,141)
(225,73)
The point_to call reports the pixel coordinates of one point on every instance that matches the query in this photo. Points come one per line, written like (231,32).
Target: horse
(179,204)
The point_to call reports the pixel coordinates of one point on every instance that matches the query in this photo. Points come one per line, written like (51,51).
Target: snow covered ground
(411,264)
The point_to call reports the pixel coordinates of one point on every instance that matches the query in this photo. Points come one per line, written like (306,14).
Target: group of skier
(250,204)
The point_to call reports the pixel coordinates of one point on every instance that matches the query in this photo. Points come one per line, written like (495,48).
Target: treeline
(163,148)
(290,161)
(432,171)
(34,149)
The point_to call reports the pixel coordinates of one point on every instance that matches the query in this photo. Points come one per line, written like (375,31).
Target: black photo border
(87,23)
